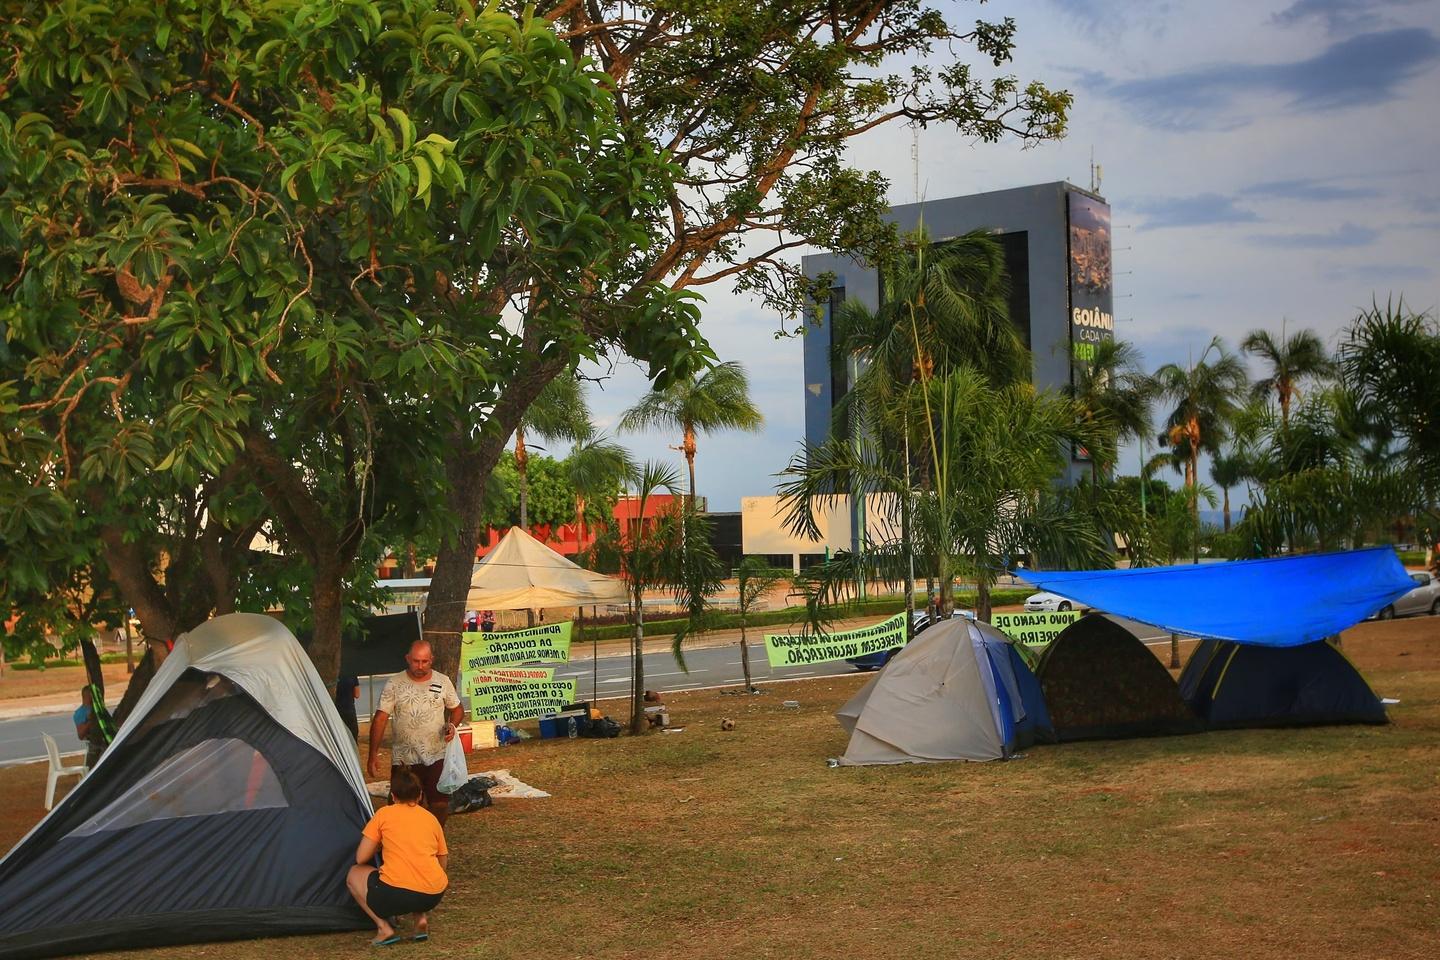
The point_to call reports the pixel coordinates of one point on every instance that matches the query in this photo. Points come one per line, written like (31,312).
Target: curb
(45,710)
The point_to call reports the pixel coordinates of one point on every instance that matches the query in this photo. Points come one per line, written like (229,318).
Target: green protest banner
(473,680)
(547,643)
(1033,629)
(507,696)
(789,650)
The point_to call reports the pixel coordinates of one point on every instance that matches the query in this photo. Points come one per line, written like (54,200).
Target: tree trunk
(946,578)
(467,473)
(688,445)
(522,462)
(327,606)
(1174,651)
(745,654)
(1227,509)
(982,598)
(637,666)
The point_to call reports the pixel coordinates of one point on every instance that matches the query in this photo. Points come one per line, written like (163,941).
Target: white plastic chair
(58,770)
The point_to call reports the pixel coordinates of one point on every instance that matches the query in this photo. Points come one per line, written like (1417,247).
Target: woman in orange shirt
(411,878)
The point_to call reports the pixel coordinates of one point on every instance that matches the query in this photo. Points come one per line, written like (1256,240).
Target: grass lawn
(1320,842)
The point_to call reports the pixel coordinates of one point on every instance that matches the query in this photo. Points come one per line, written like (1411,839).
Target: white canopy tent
(521,573)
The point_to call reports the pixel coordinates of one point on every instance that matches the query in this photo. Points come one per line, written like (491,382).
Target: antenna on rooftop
(915,161)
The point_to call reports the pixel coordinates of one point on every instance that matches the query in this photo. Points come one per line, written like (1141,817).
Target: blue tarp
(1280,602)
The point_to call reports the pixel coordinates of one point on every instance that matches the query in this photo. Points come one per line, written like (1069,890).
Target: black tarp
(379,646)
(1235,685)
(140,856)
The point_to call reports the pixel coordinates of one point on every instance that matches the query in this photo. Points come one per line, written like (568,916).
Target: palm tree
(597,467)
(718,399)
(1227,470)
(1206,395)
(558,413)
(1391,363)
(995,453)
(1290,360)
(943,305)
(672,551)
(754,578)
(1112,393)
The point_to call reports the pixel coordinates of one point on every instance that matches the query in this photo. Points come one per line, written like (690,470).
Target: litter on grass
(506,787)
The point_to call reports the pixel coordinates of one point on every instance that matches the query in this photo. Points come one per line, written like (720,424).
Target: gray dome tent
(228,807)
(958,691)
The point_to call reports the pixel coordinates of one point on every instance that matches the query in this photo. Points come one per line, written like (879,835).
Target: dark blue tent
(1279,602)
(1238,685)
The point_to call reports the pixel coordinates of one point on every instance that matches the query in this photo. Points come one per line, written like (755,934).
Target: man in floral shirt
(425,710)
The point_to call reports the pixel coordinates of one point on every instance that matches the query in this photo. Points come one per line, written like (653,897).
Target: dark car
(874,661)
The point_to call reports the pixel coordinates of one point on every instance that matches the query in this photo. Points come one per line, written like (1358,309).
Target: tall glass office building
(1056,240)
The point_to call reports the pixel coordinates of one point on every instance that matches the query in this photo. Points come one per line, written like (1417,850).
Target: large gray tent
(951,694)
(229,806)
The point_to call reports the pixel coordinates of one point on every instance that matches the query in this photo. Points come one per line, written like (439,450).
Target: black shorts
(429,774)
(388,901)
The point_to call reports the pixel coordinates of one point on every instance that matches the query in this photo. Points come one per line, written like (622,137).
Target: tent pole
(594,661)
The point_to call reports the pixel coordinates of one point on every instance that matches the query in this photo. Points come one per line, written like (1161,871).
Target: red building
(567,539)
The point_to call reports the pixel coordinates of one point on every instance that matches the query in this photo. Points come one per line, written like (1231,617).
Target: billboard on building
(1092,293)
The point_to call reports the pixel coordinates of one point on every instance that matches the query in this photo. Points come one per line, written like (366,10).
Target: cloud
(1346,235)
(1308,189)
(1338,16)
(1201,210)
(1378,272)
(1360,71)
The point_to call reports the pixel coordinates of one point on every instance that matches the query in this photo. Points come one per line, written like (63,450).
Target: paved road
(607,677)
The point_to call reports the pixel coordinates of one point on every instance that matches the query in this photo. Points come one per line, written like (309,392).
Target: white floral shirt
(417,712)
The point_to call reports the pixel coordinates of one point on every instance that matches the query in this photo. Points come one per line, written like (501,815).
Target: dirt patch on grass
(710,844)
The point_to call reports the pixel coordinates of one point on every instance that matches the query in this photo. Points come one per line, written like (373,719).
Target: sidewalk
(52,703)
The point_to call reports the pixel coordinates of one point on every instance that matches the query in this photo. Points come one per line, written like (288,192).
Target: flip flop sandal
(388,941)
(420,937)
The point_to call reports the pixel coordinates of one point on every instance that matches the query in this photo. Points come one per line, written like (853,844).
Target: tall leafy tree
(1289,360)
(755,106)
(718,399)
(257,290)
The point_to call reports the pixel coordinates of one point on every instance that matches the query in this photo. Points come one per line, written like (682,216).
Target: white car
(1047,602)
(1425,598)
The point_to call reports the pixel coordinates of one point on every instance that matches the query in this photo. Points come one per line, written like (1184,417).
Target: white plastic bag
(456,770)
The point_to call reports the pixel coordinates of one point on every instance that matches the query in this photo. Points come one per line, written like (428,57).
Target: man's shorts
(388,901)
(429,774)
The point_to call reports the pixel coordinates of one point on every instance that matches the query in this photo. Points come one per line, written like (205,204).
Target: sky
(1264,162)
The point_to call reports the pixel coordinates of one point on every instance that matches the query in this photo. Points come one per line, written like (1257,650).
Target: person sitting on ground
(411,878)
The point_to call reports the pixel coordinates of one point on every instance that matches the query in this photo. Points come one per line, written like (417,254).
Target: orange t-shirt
(410,839)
